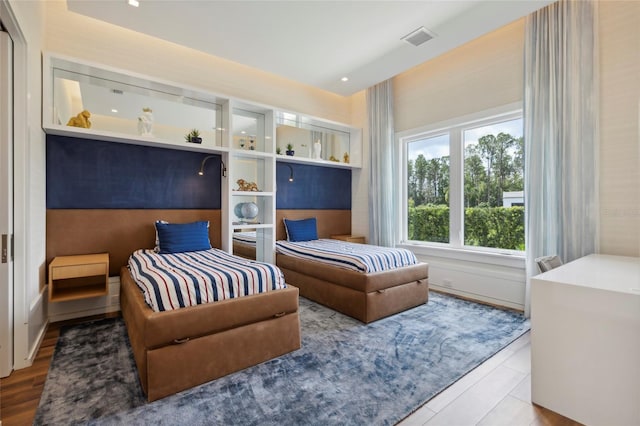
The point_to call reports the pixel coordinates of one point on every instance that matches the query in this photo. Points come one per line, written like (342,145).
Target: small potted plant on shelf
(193,136)
(278,150)
(290,150)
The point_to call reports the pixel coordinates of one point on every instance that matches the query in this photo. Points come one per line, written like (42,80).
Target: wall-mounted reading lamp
(204,160)
(290,172)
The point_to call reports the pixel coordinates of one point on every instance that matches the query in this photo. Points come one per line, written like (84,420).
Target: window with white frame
(463,183)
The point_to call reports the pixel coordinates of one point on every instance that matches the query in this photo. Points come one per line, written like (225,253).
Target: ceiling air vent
(419,36)
(117,91)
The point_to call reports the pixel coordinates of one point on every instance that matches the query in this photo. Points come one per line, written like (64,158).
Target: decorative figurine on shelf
(81,120)
(252,145)
(332,158)
(345,157)
(145,122)
(242,142)
(193,136)
(243,185)
(317,150)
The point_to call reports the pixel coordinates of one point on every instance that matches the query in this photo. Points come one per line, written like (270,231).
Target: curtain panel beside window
(561,130)
(382,171)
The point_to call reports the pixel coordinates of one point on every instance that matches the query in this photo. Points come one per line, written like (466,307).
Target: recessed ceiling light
(344,79)
(114,110)
(134,3)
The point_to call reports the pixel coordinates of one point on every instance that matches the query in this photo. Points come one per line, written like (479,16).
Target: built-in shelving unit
(127,107)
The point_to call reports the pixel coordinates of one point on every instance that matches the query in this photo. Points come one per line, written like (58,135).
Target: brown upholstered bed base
(366,297)
(242,249)
(176,350)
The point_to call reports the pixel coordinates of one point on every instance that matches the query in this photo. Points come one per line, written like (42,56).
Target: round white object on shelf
(237,210)
(249,210)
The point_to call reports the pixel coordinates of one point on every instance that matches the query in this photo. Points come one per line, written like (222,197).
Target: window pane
(428,189)
(493,186)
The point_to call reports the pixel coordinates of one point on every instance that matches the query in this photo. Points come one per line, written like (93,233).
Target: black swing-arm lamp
(290,172)
(204,160)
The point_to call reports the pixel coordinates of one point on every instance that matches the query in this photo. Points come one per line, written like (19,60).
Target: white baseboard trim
(61,311)
(38,342)
(83,313)
(478,297)
(36,316)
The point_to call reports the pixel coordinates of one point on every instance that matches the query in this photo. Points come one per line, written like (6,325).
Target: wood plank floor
(498,392)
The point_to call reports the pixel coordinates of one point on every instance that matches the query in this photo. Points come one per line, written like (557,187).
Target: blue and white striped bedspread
(173,281)
(247,237)
(358,257)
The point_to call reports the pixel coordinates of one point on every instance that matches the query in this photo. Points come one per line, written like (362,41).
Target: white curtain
(561,132)
(382,170)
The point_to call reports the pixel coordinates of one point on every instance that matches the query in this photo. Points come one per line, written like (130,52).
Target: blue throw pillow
(181,237)
(301,230)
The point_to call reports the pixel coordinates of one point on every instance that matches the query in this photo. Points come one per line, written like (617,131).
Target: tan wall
(487,72)
(482,74)
(619,130)
(92,40)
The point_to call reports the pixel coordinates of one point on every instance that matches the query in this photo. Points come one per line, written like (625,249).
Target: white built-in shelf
(71,85)
(245,134)
(252,194)
(313,162)
(237,226)
(102,135)
(245,153)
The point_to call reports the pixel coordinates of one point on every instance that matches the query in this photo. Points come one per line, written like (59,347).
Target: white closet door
(6,204)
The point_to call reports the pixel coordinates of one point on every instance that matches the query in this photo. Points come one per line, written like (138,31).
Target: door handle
(4,248)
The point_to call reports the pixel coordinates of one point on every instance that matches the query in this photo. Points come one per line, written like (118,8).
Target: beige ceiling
(314,42)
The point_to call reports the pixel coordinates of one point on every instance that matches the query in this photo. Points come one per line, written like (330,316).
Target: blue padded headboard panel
(88,174)
(313,187)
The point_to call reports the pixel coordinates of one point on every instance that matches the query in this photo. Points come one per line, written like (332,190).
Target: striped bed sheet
(358,257)
(173,281)
(247,237)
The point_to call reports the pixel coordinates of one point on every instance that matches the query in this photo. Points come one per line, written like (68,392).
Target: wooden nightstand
(77,277)
(350,238)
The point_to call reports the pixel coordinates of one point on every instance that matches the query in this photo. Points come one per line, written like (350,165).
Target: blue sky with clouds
(437,146)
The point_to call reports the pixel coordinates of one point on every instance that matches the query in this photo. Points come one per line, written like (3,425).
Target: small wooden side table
(78,277)
(350,238)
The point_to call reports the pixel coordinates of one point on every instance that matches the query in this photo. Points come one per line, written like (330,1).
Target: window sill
(512,260)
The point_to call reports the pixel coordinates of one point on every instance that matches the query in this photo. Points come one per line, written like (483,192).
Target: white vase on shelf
(317,150)
(145,122)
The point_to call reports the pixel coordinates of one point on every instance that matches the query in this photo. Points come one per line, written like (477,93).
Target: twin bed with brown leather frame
(176,350)
(364,296)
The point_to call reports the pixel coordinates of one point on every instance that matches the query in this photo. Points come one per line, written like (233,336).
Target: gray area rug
(345,373)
